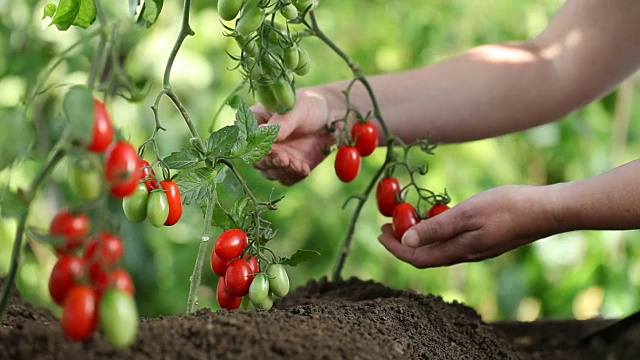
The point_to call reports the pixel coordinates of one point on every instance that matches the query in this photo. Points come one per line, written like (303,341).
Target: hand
(302,139)
(484,226)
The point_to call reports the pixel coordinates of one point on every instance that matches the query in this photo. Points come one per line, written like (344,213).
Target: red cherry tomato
(218,264)
(72,227)
(148,175)
(253,262)
(231,243)
(98,276)
(404,216)
(387,195)
(79,313)
(172,190)
(65,275)
(365,136)
(122,169)
(347,163)
(102,128)
(121,280)
(105,248)
(437,209)
(238,277)
(226,299)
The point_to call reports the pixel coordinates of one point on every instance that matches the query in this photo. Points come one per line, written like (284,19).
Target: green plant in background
(553,277)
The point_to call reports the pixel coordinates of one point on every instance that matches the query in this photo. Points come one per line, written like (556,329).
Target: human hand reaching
(483,226)
(302,139)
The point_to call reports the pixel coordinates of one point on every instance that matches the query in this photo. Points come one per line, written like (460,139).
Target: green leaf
(149,14)
(199,184)
(81,13)
(78,106)
(12,205)
(44,237)
(185,159)
(17,136)
(299,257)
(254,141)
(245,121)
(49,10)
(221,142)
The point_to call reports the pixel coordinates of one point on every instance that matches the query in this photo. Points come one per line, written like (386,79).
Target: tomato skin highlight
(436,209)
(79,313)
(404,216)
(121,169)
(121,280)
(238,277)
(64,276)
(157,208)
(226,299)
(73,227)
(365,136)
(231,243)
(387,193)
(102,128)
(118,318)
(175,201)
(347,163)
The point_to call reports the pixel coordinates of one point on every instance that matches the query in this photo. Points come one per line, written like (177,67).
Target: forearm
(610,201)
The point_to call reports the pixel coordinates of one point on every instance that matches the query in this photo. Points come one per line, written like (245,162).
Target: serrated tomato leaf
(254,141)
(199,184)
(80,13)
(149,13)
(299,257)
(221,142)
(185,159)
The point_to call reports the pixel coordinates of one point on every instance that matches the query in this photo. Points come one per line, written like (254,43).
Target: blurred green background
(579,274)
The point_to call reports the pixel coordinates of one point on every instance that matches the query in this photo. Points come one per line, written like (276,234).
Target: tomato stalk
(29,196)
(194,280)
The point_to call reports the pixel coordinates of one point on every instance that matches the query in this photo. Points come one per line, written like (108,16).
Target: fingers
(278,165)
(437,229)
(287,121)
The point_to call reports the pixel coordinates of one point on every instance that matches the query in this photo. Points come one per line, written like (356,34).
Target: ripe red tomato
(148,175)
(98,276)
(437,209)
(122,169)
(105,248)
(387,195)
(347,163)
(79,313)
(218,264)
(65,274)
(72,227)
(366,137)
(226,299)
(253,262)
(231,243)
(102,128)
(404,216)
(175,201)
(121,280)
(238,277)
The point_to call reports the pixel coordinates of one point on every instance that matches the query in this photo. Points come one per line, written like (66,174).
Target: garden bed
(353,319)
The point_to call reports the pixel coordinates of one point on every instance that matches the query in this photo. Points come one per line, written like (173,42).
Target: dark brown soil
(323,320)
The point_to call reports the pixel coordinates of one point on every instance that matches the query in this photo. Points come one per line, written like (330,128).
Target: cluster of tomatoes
(86,279)
(160,202)
(270,55)
(402,213)
(240,274)
(349,157)
(87,282)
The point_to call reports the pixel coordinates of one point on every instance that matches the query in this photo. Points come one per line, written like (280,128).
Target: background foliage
(578,274)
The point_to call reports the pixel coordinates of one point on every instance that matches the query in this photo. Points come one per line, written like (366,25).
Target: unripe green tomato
(229,9)
(289,12)
(278,280)
(250,18)
(118,317)
(302,5)
(252,68)
(291,57)
(284,94)
(265,304)
(157,208)
(259,289)
(247,45)
(135,205)
(304,62)
(85,178)
(265,96)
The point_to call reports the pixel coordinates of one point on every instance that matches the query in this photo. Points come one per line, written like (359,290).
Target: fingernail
(410,238)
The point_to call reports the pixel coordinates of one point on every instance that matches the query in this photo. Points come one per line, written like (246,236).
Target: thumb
(266,117)
(434,230)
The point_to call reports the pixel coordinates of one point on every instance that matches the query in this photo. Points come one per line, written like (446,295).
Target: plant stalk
(192,301)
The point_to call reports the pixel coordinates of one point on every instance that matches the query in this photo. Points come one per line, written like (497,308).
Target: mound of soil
(350,319)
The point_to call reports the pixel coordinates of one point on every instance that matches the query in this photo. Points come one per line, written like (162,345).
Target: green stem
(17,242)
(192,301)
(185,30)
(233,92)
(247,191)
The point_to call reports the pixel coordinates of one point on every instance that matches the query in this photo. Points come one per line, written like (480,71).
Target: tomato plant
(404,216)
(135,204)
(278,280)
(259,289)
(365,136)
(174,200)
(147,175)
(122,170)
(79,312)
(121,280)
(85,178)
(347,163)
(102,128)
(231,243)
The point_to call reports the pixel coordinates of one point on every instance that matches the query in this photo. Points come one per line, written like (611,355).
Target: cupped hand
(483,226)
(302,139)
